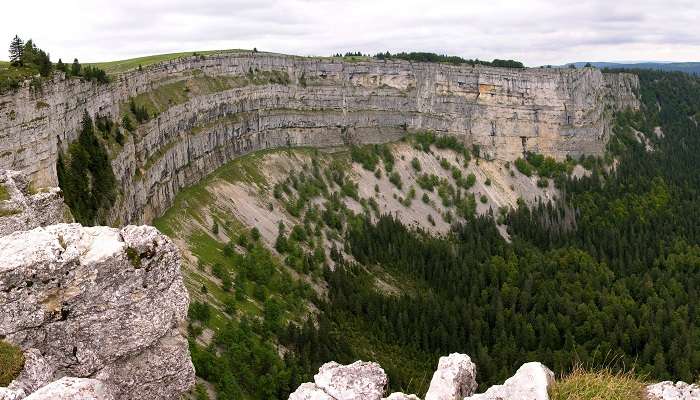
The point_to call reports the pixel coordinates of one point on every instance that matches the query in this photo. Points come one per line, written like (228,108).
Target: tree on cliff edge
(16,51)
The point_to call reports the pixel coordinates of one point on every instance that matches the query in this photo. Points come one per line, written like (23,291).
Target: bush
(483,199)
(395,178)
(416,164)
(523,166)
(11,362)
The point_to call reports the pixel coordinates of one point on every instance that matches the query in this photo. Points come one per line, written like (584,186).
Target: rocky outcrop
(359,380)
(21,209)
(323,102)
(454,379)
(673,391)
(101,303)
(531,382)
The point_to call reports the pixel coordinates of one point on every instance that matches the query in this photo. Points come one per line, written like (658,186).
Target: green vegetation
(598,384)
(439,58)
(115,67)
(11,362)
(613,268)
(85,176)
(28,61)
(4,195)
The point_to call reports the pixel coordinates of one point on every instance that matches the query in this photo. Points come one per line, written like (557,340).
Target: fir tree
(16,51)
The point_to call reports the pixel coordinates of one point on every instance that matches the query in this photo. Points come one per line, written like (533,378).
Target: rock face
(454,379)
(530,382)
(23,210)
(100,303)
(673,391)
(322,102)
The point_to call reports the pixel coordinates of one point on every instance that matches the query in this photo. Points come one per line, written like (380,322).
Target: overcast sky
(536,32)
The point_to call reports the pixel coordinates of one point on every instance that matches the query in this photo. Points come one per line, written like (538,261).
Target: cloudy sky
(536,32)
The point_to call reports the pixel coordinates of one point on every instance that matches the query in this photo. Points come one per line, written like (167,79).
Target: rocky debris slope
(99,303)
(321,102)
(454,379)
(21,210)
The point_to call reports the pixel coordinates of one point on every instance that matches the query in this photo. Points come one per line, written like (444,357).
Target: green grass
(115,67)
(600,384)
(4,195)
(11,362)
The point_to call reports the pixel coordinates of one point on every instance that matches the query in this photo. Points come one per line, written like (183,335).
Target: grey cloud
(535,31)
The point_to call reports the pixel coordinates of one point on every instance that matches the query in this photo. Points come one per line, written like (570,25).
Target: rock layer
(324,102)
(98,303)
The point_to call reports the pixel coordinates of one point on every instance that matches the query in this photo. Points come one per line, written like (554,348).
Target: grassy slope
(115,67)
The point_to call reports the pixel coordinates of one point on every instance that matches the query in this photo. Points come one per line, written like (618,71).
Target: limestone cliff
(103,306)
(231,104)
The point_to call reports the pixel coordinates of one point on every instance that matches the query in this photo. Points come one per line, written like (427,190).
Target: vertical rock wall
(326,102)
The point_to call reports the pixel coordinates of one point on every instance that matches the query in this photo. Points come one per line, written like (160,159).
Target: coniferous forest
(607,276)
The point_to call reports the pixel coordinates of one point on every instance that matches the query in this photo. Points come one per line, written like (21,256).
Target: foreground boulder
(454,379)
(99,303)
(359,380)
(530,382)
(673,391)
(22,208)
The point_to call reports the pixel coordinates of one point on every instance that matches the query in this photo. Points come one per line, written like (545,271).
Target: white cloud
(534,31)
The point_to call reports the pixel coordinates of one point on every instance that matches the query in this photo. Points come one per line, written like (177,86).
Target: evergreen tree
(16,50)
(75,68)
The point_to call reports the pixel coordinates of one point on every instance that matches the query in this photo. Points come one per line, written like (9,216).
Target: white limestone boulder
(454,379)
(530,382)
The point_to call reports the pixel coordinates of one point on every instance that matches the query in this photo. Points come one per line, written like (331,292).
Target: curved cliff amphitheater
(211,109)
(101,312)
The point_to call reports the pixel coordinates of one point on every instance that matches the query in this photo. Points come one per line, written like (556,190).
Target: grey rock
(309,391)
(454,379)
(357,381)
(99,302)
(530,382)
(402,396)
(25,210)
(668,390)
(68,388)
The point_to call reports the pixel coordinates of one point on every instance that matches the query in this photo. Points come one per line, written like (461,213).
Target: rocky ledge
(97,311)
(454,379)
(22,209)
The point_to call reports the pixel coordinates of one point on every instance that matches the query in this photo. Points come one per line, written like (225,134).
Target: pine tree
(16,51)
(60,66)
(75,68)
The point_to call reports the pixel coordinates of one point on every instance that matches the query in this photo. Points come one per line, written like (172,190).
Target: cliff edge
(95,310)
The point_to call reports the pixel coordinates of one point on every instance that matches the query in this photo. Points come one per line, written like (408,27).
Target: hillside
(334,210)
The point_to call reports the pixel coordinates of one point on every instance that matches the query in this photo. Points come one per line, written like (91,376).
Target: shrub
(426,198)
(11,362)
(483,199)
(523,166)
(416,164)
(445,164)
(395,178)
(487,182)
